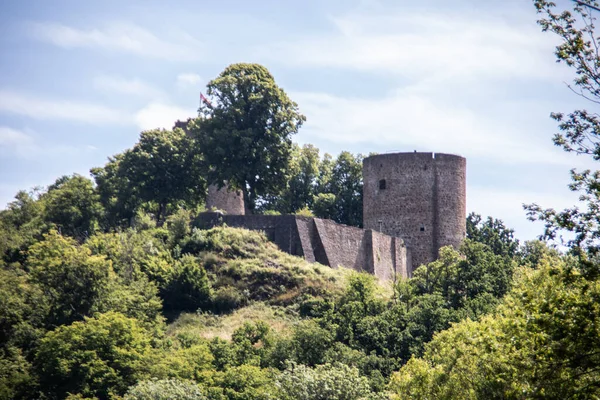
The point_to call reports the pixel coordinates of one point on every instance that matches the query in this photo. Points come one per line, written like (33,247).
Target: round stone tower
(224,199)
(419,197)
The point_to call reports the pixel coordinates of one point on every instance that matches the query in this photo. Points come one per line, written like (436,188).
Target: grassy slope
(268,284)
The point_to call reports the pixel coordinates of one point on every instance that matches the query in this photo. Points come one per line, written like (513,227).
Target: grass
(209,326)
(246,261)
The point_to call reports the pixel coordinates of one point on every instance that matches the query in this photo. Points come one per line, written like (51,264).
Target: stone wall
(231,202)
(419,197)
(323,241)
(343,245)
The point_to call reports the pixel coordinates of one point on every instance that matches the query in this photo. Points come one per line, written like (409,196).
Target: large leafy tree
(340,189)
(163,169)
(98,357)
(303,173)
(494,233)
(245,131)
(579,130)
(73,205)
(542,342)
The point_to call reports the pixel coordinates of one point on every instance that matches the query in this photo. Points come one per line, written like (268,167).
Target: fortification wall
(323,241)
(231,202)
(387,256)
(343,245)
(419,197)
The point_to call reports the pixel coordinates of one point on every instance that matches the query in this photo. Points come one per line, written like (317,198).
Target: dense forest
(108,290)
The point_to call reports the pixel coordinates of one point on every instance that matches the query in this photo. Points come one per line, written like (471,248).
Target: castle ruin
(413,204)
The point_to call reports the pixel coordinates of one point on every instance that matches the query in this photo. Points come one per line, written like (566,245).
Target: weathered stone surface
(322,241)
(419,197)
(413,204)
(229,201)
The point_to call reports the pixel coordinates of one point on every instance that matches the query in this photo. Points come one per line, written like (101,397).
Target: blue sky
(80,80)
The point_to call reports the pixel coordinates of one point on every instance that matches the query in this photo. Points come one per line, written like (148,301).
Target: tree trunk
(160,215)
(248,202)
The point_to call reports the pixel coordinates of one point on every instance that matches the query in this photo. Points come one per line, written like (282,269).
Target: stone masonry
(323,241)
(420,197)
(413,204)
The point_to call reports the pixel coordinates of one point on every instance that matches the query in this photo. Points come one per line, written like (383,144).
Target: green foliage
(166,389)
(187,288)
(73,205)
(72,280)
(22,310)
(254,116)
(21,225)
(310,343)
(541,343)
(17,381)
(163,169)
(578,130)
(301,186)
(324,382)
(245,382)
(340,185)
(97,357)
(493,233)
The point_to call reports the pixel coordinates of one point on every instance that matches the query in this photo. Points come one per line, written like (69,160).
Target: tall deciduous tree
(301,187)
(579,131)
(73,204)
(162,169)
(340,189)
(493,233)
(245,131)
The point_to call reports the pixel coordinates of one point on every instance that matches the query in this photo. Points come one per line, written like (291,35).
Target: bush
(166,389)
(97,357)
(188,288)
(325,382)
(227,298)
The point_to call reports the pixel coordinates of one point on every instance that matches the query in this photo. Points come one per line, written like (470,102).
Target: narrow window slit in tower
(382,184)
(422,228)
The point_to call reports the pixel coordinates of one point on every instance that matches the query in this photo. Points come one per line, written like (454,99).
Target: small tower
(224,199)
(419,197)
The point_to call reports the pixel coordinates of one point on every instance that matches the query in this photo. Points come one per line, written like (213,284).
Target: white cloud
(188,79)
(408,120)
(10,137)
(122,37)
(133,87)
(26,144)
(37,107)
(421,44)
(507,205)
(159,115)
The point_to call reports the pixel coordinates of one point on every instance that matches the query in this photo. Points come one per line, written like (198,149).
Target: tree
(493,233)
(73,205)
(98,357)
(301,185)
(324,382)
(542,342)
(21,225)
(340,189)
(72,280)
(580,129)
(245,133)
(165,389)
(164,168)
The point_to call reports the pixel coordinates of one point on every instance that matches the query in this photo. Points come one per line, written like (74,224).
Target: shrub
(325,382)
(188,288)
(166,389)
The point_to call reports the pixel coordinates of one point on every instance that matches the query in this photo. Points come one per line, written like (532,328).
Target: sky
(79,80)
